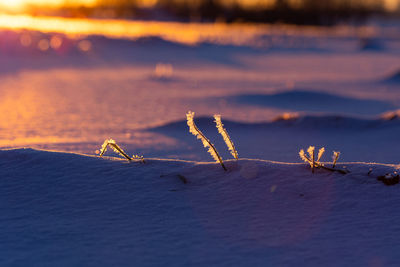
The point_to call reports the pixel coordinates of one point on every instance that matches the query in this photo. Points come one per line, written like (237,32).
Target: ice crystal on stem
(310,159)
(117,149)
(206,143)
(335,157)
(225,136)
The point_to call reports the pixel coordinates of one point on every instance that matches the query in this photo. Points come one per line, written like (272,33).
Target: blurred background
(77,72)
(308,12)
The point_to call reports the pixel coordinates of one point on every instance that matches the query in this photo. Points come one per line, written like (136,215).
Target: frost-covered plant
(321,151)
(335,157)
(137,157)
(206,143)
(311,156)
(310,159)
(117,149)
(225,136)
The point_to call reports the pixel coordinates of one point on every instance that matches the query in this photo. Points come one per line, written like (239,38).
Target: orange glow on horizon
(186,33)
(191,33)
(392,5)
(21,5)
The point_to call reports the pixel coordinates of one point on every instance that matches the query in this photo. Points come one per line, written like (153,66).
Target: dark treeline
(303,12)
(311,12)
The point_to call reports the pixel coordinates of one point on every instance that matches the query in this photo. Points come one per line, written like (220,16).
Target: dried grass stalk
(225,136)
(206,143)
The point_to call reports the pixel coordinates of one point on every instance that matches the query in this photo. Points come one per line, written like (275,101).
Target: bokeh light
(43,45)
(85,45)
(55,42)
(25,40)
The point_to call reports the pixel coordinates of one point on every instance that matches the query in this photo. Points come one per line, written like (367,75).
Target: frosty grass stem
(225,136)
(310,151)
(118,150)
(335,157)
(310,158)
(206,142)
(316,164)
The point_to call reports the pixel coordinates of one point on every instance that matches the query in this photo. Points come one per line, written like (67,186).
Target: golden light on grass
(206,142)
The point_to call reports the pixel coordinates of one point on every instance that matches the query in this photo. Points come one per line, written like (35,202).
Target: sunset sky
(19,5)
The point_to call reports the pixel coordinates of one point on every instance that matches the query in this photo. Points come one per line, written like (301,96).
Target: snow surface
(277,94)
(65,209)
(70,100)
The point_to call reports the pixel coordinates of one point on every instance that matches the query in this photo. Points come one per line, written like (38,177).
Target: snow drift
(68,209)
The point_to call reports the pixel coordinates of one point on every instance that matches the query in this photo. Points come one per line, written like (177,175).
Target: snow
(70,209)
(279,91)
(393,78)
(369,140)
